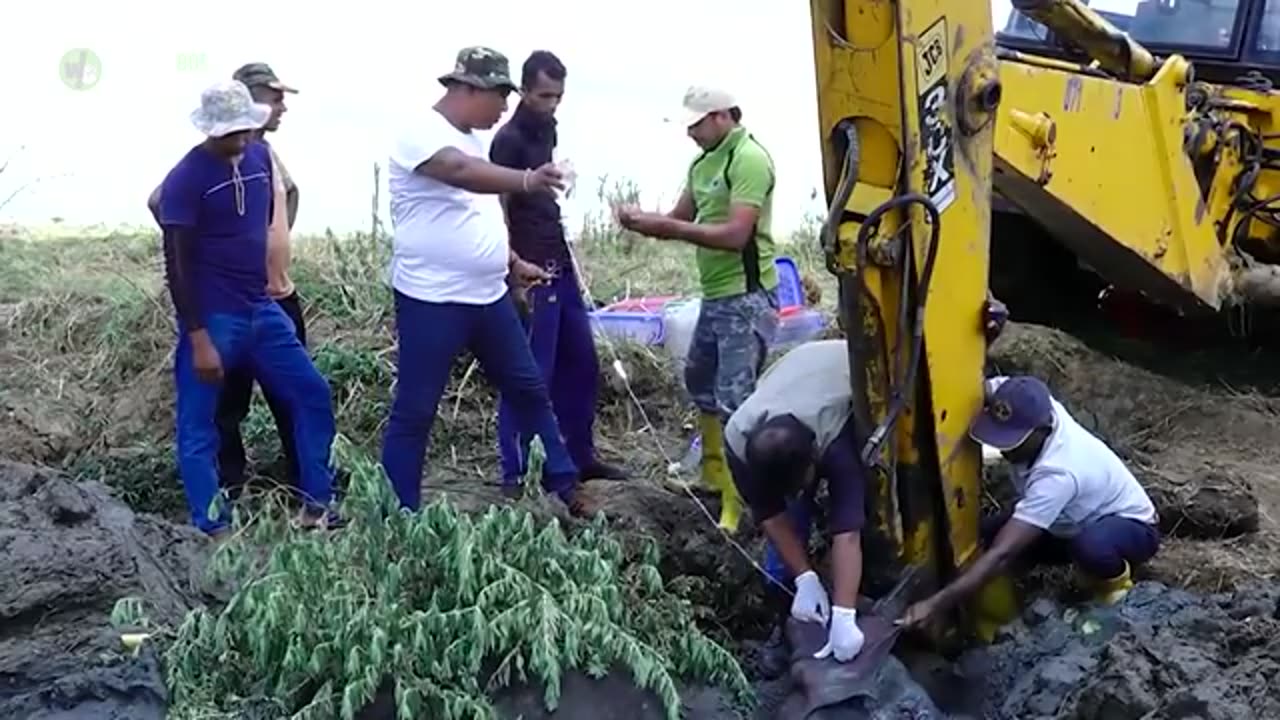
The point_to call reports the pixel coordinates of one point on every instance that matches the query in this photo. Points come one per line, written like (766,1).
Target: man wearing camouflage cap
(449,267)
(725,211)
(233,406)
(1077,503)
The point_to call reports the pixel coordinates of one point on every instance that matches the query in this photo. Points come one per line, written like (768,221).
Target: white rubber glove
(811,603)
(844,639)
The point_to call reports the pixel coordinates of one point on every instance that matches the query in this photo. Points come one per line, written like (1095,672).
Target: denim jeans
(233,408)
(431,336)
(559,332)
(264,340)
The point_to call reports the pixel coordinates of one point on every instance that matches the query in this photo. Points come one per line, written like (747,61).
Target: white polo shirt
(1076,481)
(450,245)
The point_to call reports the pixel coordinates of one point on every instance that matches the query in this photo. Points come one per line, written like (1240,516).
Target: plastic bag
(679,320)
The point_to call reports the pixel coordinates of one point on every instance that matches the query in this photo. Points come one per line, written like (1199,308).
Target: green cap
(260,74)
(481,67)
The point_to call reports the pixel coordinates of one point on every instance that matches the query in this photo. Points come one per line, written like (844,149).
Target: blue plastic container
(790,288)
(799,327)
(648,327)
(639,327)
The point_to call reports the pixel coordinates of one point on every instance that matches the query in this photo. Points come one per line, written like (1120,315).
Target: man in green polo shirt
(725,211)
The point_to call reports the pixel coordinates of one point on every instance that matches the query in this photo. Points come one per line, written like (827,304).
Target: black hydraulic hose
(898,399)
(853,290)
(830,235)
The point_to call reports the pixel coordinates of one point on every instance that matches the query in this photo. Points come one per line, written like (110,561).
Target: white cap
(700,101)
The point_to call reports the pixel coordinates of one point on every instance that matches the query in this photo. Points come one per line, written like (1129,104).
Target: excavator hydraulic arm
(1114,51)
(1161,185)
(907,96)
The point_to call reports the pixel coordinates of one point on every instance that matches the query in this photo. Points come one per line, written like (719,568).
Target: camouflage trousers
(727,354)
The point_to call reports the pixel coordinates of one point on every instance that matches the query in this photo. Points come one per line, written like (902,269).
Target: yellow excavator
(1133,144)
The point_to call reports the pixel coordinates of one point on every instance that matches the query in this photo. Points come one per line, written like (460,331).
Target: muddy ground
(1209,456)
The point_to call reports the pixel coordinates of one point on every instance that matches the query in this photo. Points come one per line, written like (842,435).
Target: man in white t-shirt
(449,270)
(1077,500)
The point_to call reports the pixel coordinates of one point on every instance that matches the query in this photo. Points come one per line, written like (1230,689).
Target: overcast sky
(95,152)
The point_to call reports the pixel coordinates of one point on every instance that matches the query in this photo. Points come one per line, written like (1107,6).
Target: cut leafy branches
(438,607)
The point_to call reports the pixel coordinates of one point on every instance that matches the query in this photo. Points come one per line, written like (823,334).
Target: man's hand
(920,613)
(205,358)
(625,214)
(811,603)
(636,220)
(546,178)
(527,274)
(994,317)
(520,296)
(844,639)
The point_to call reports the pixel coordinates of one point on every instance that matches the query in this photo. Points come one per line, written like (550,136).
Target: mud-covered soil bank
(68,551)
(1209,456)
(1162,653)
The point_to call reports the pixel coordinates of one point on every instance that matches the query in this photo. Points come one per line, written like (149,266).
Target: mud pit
(1163,653)
(68,551)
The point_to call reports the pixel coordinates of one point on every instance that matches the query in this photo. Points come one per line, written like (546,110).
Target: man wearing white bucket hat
(237,390)
(215,207)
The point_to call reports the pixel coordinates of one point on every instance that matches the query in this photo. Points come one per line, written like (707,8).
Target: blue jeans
(559,332)
(263,340)
(431,336)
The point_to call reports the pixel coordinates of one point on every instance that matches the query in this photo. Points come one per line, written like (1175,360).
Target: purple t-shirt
(229,214)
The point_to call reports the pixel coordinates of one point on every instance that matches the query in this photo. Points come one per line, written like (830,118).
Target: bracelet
(525,180)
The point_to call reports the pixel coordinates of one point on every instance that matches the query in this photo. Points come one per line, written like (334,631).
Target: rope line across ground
(621,371)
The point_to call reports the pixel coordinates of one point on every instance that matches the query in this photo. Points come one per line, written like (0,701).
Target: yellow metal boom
(906,94)
(1162,185)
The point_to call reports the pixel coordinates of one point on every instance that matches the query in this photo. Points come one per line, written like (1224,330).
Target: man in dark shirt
(237,388)
(558,324)
(215,207)
(795,429)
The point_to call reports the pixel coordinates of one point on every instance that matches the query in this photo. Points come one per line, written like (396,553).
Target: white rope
(621,371)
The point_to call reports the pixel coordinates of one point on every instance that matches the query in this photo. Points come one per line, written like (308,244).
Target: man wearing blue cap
(1077,500)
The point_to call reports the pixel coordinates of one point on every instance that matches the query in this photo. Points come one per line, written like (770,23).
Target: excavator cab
(1224,39)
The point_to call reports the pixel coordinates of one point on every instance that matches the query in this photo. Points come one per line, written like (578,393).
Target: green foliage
(145,476)
(441,606)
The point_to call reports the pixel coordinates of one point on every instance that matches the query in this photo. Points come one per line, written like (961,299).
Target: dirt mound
(38,418)
(68,552)
(1163,652)
(1209,456)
